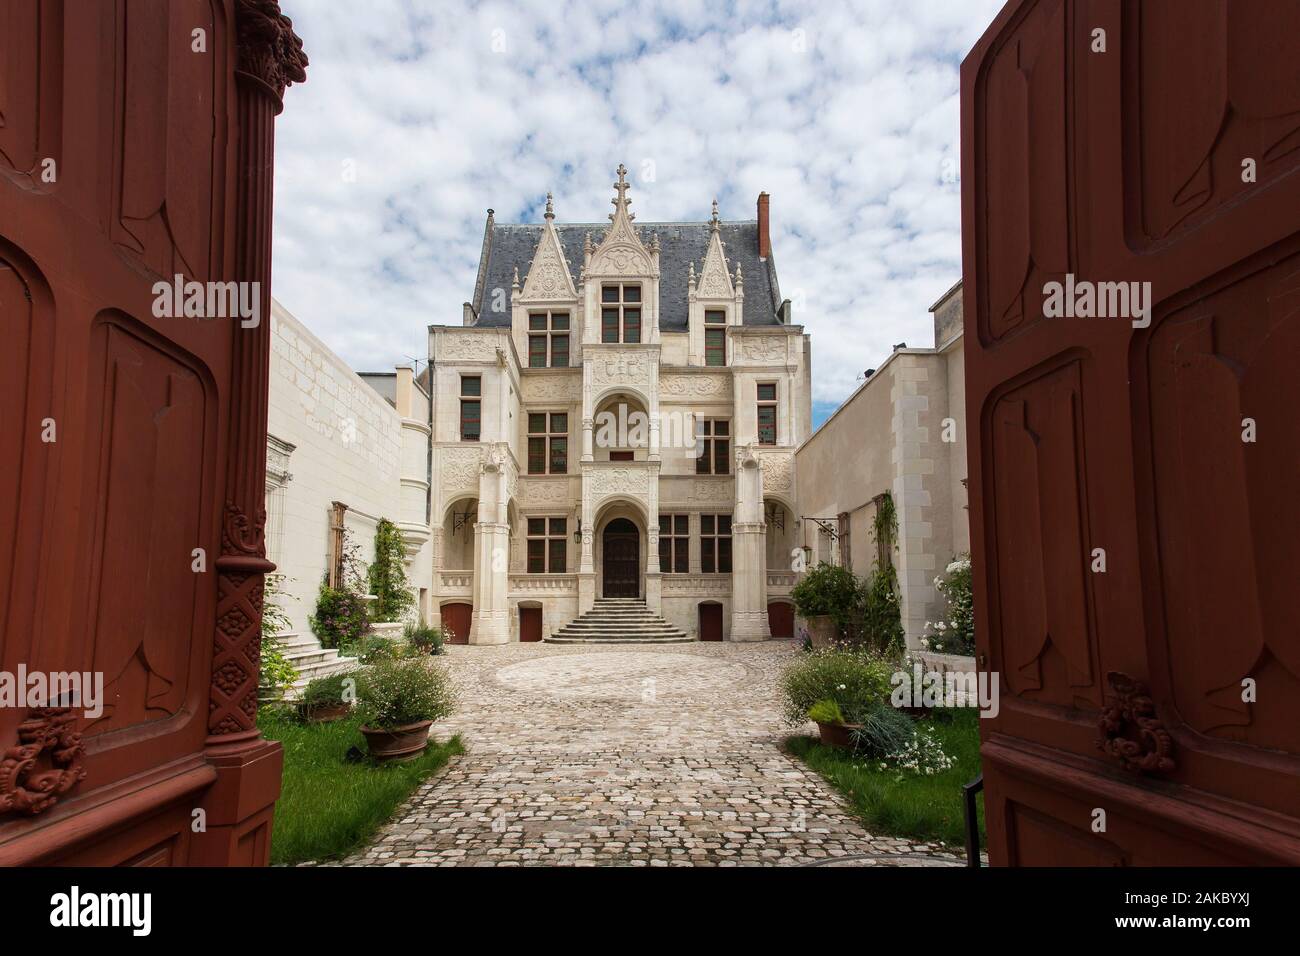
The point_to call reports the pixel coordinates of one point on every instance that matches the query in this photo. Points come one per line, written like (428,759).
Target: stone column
(491,620)
(238,807)
(748,553)
(653,576)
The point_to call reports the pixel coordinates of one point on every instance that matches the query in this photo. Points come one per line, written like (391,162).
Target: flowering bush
(340,617)
(923,754)
(853,680)
(956,635)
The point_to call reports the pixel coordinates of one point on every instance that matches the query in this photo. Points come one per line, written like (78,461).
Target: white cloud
(849,134)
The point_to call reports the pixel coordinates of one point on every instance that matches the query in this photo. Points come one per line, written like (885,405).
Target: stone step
(619,621)
(563,639)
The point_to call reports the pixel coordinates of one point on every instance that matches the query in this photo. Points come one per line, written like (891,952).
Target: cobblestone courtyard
(654,756)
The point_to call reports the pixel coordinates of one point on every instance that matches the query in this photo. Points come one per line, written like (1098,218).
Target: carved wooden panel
(1238,98)
(1023,201)
(1043,639)
(149,457)
(1132,488)
(1228,519)
(31,85)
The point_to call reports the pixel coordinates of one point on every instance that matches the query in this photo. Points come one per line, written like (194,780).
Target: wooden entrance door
(530,625)
(456,620)
(1134,512)
(710,622)
(780,619)
(133,454)
(621,547)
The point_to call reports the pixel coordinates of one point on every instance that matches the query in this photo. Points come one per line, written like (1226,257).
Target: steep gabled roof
(508,247)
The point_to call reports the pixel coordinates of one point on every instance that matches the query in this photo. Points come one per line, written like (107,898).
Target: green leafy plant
(387,575)
(956,634)
(828,590)
(276,672)
(408,691)
(826,712)
(329,691)
(424,637)
(854,679)
(880,617)
(340,618)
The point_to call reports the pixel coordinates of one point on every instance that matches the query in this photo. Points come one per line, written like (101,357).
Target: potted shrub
(826,598)
(828,717)
(424,638)
(400,700)
(327,699)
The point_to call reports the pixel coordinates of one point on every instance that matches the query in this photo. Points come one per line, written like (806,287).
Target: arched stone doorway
(621,559)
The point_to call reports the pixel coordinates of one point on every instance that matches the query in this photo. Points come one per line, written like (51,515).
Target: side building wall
(333,437)
(903,431)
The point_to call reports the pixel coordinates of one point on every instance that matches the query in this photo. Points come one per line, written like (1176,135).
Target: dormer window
(620,313)
(715,338)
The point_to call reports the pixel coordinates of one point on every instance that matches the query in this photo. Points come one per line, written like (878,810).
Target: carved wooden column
(238,807)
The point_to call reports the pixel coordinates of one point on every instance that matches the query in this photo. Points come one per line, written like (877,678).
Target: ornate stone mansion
(617,418)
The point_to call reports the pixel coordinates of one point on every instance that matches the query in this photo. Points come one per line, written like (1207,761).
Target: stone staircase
(311,660)
(619,621)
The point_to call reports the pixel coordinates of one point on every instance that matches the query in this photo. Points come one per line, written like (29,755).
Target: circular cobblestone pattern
(659,756)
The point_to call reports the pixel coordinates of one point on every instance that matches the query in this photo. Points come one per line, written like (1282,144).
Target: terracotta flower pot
(399,744)
(837,735)
(822,631)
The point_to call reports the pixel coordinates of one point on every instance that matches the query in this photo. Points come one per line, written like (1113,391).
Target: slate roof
(508,246)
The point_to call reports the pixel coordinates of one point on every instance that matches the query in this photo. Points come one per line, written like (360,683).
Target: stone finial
(690,277)
(740,279)
(654,243)
(621,201)
(550,208)
(586,245)
(516,284)
(714,222)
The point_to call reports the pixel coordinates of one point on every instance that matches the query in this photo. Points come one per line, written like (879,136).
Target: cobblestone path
(654,756)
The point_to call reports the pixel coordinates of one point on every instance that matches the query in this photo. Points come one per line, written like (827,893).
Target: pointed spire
(654,243)
(586,245)
(714,223)
(515,284)
(690,277)
(621,201)
(550,207)
(740,279)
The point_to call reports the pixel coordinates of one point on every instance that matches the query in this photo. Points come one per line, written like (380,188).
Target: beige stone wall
(349,445)
(902,431)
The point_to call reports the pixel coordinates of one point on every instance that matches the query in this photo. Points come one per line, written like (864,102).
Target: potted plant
(400,700)
(826,599)
(424,638)
(327,699)
(828,717)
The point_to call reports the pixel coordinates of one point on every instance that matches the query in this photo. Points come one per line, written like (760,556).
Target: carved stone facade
(606,381)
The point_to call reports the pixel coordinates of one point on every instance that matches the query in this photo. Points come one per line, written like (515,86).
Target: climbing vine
(388,575)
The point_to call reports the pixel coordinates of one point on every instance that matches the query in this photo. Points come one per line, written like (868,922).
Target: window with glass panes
(715,544)
(548,340)
(620,313)
(674,544)
(471,407)
(715,338)
(767,413)
(713,435)
(548,443)
(547,545)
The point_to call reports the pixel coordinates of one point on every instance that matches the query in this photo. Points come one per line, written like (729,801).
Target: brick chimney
(764,236)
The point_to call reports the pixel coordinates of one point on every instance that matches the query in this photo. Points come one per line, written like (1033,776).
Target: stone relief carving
(715,283)
(613,481)
(767,349)
(712,491)
(548,276)
(544,492)
(620,368)
(467,347)
(778,472)
(550,388)
(620,252)
(695,386)
(460,468)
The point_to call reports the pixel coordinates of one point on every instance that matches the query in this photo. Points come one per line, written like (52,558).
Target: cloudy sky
(419,115)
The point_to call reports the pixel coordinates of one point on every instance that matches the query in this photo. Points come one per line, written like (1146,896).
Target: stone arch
(779,517)
(458,521)
(610,511)
(621,426)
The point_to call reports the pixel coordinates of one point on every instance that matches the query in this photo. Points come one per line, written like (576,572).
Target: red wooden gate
(710,621)
(1134,499)
(136,141)
(530,625)
(456,622)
